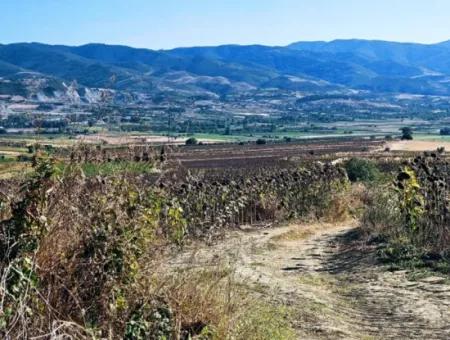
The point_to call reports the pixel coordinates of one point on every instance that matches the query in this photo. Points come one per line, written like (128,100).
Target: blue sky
(171,23)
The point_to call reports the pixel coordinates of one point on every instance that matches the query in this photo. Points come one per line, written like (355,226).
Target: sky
(163,24)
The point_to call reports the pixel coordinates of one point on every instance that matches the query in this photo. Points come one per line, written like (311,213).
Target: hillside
(376,66)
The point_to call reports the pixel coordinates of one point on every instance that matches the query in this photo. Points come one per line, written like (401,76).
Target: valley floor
(333,286)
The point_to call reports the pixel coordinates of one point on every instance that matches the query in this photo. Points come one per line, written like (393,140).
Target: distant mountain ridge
(378,66)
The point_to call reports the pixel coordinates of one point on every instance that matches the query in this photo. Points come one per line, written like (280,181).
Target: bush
(261,141)
(413,215)
(407,133)
(382,215)
(23,158)
(76,251)
(191,141)
(210,304)
(361,170)
(424,188)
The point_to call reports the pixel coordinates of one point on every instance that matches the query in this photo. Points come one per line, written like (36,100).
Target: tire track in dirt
(334,287)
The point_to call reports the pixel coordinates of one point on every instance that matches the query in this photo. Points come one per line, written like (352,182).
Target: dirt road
(335,288)
(418,145)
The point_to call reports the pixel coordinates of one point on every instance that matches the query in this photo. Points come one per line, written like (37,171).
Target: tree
(261,141)
(191,141)
(361,170)
(407,133)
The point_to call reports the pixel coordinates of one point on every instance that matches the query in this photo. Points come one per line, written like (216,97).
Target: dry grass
(345,207)
(14,169)
(304,231)
(211,302)
(82,250)
(418,145)
(202,299)
(299,232)
(326,282)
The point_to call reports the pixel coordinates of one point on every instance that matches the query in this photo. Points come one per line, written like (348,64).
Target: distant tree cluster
(407,133)
(261,141)
(191,141)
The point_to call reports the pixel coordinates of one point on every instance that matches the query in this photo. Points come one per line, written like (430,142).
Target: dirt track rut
(335,288)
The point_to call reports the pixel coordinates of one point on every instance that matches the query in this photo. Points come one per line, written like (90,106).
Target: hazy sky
(170,23)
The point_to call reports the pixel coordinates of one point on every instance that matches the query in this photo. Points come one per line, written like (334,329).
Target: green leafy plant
(361,170)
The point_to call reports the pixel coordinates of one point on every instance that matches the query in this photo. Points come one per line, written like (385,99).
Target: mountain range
(376,66)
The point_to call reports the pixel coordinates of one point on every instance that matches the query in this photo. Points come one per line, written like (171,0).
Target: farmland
(253,155)
(205,218)
(18,152)
(280,190)
(256,214)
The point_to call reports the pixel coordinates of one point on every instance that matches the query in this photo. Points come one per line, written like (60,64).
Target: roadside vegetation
(359,169)
(83,253)
(409,216)
(87,234)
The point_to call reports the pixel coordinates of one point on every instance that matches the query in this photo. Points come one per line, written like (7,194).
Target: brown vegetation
(79,254)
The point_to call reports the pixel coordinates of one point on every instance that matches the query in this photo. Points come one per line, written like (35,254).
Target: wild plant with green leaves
(413,213)
(424,188)
(78,253)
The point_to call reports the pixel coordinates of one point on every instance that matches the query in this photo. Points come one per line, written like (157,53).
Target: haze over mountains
(376,66)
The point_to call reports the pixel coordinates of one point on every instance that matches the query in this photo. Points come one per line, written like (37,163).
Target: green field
(432,137)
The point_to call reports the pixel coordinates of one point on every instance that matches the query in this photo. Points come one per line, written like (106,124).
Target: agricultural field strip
(234,148)
(273,151)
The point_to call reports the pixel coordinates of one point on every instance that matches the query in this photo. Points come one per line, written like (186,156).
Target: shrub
(191,141)
(24,158)
(78,254)
(261,141)
(361,170)
(210,304)
(414,213)
(382,215)
(423,185)
(79,243)
(407,133)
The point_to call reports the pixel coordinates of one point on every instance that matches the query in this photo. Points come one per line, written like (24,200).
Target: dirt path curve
(335,288)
